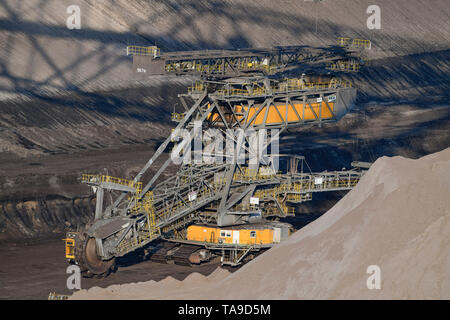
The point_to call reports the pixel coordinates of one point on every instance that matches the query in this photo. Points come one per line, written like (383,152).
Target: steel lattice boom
(230,187)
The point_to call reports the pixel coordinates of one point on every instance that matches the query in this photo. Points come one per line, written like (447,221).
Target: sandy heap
(397,217)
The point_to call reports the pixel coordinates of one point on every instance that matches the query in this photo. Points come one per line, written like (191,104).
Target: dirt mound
(41,55)
(397,217)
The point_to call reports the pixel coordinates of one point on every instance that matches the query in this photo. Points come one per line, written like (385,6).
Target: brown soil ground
(33,270)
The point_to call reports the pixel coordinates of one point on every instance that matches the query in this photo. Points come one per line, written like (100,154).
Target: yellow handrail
(177,116)
(292,85)
(356,43)
(143,51)
(361,43)
(343,41)
(97,178)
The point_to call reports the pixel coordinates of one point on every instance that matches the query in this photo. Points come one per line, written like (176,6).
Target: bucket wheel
(90,263)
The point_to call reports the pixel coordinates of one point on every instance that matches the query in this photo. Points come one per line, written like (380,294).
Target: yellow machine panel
(230,236)
(248,236)
(277,112)
(70,247)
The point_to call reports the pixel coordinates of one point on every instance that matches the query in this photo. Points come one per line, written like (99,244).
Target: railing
(248,175)
(257,65)
(355,43)
(298,197)
(178,223)
(344,65)
(291,85)
(197,88)
(307,186)
(361,43)
(143,51)
(340,83)
(145,205)
(57,296)
(70,248)
(219,67)
(98,179)
(177,116)
(148,232)
(286,211)
(142,238)
(169,210)
(295,191)
(252,175)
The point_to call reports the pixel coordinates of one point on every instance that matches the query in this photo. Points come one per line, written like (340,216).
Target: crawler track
(161,255)
(181,256)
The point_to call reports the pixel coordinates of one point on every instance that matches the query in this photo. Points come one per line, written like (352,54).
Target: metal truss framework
(223,63)
(243,185)
(219,193)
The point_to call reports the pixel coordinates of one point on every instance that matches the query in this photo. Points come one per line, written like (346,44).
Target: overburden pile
(397,218)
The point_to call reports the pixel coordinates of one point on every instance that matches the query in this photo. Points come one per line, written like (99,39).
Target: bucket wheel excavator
(85,254)
(227,195)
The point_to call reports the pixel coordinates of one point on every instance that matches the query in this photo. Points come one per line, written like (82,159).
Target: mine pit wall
(420,82)
(417,78)
(25,220)
(82,121)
